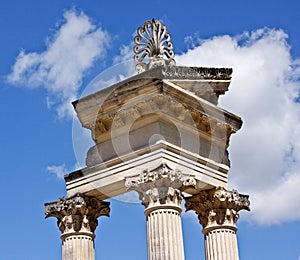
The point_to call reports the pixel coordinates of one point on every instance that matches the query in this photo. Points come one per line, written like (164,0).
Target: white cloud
(70,52)
(58,170)
(265,154)
(126,54)
(61,170)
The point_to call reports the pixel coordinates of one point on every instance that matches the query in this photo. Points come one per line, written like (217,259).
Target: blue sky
(51,50)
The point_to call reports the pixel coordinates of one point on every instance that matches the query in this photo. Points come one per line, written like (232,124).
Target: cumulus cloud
(126,54)
(70,52)
(265,87)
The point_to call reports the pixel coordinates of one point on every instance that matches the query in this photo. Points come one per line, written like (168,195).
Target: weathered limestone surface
(217,210)
(165,113)
(130,120)
(77,221)
(107,179)
(160,193)
(139,106)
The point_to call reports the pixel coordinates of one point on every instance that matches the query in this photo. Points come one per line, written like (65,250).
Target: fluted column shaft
(217,210)
(164,232)
(221,243)
(79,246)
(77,221)
(160,193)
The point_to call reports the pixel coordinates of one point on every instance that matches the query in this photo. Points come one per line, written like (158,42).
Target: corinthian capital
(78,213)
(217,206)
(161,185)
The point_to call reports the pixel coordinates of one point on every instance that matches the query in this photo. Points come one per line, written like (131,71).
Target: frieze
(168,107)
(196,73)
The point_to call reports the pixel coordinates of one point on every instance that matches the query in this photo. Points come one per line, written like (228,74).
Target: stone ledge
(108,179)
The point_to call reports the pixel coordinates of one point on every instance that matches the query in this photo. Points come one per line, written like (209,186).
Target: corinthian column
(77,221)
(160,193)
(217,211)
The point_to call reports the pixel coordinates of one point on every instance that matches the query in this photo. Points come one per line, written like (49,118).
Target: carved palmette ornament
(154,41)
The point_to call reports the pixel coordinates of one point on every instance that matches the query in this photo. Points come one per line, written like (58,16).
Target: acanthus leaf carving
(217,206)
(77,213)
(161,185)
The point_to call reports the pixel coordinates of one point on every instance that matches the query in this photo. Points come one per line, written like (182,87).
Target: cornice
(157,97)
